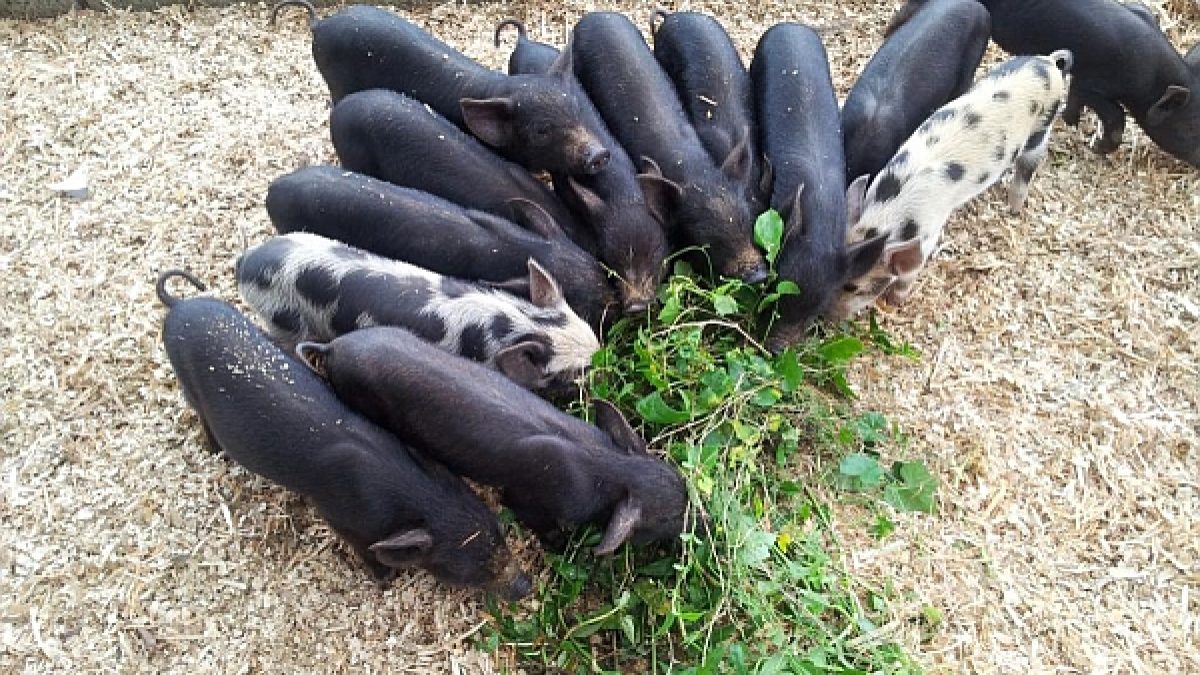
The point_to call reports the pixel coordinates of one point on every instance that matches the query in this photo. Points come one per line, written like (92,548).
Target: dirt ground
(1056,397)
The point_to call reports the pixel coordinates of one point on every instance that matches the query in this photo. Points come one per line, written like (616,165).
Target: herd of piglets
(422,295)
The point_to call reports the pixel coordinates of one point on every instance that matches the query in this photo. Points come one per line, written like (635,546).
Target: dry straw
(1057,396)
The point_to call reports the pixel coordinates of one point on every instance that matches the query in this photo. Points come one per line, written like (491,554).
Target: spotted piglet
(1001,124)
(308,287)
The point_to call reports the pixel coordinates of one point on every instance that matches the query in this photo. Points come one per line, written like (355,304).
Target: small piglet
(638,103)
(532,119)
(308,287)
(398,139)
(801,134)
(272,415)
(1003,122)
(712,83)
(529,57)
(438,235)
(555,471)
(929,57)
(628,211)
(1123,61)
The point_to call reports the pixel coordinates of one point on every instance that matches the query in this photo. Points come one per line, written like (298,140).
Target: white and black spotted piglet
(1002,123)
(309,288)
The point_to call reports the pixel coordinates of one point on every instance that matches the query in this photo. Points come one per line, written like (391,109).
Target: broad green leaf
(914,489)
(670,311)
(724,305)
(787,287)
(768,233)
(787,366)
(862,467)
(841,349)
(654,409)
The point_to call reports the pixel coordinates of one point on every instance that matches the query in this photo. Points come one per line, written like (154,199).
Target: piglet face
(472,552)
(1173,122)
(898,265)
(461,543)
(541,124)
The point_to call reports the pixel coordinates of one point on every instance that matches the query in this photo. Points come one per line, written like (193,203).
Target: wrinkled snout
(1063,60)
(596,158)
(514,584)
(519,587)
(637,296)
(756,275)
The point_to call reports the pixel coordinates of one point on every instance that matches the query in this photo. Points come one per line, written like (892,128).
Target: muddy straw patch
(1056,397)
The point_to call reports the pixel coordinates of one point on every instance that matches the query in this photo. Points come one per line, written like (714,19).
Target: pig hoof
(1107,143)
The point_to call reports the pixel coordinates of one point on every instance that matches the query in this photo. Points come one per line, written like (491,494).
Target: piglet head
(632,242)
(1173,122)
(540,122)
(562,348)
(654,504)
(458,551)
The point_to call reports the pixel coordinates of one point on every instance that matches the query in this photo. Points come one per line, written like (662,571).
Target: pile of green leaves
(762,591)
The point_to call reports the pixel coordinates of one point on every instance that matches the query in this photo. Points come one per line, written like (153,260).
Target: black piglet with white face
(273,416)
(308,287)
(437,234)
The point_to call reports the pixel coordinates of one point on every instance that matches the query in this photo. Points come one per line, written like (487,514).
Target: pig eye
(541,130)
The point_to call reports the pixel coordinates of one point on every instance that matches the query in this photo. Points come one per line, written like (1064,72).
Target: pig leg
(1027,162)
(1111,114)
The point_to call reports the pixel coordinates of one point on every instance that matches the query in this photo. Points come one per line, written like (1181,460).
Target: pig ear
(861,257)
(591,201)
(543,289)
(905,258)
(535,219)
(612,422)
(489,119)
(737,165)
(564,64)
(523,363)
(650,167)
(792,209)
(766,177)
(856,196)
(1173,99)
(518,286)
(625,517)
(313,355)
(403,548)
(661,194)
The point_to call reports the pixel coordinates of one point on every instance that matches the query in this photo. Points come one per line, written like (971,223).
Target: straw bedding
(1056,396)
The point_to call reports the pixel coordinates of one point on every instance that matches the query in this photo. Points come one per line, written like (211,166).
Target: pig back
(364,47)
(263,407)
(928,60)
(712,83)
(397,139)
(431,232)
(800,124)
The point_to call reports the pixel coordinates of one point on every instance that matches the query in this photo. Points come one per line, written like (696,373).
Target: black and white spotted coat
(1001,124)
(309,288)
